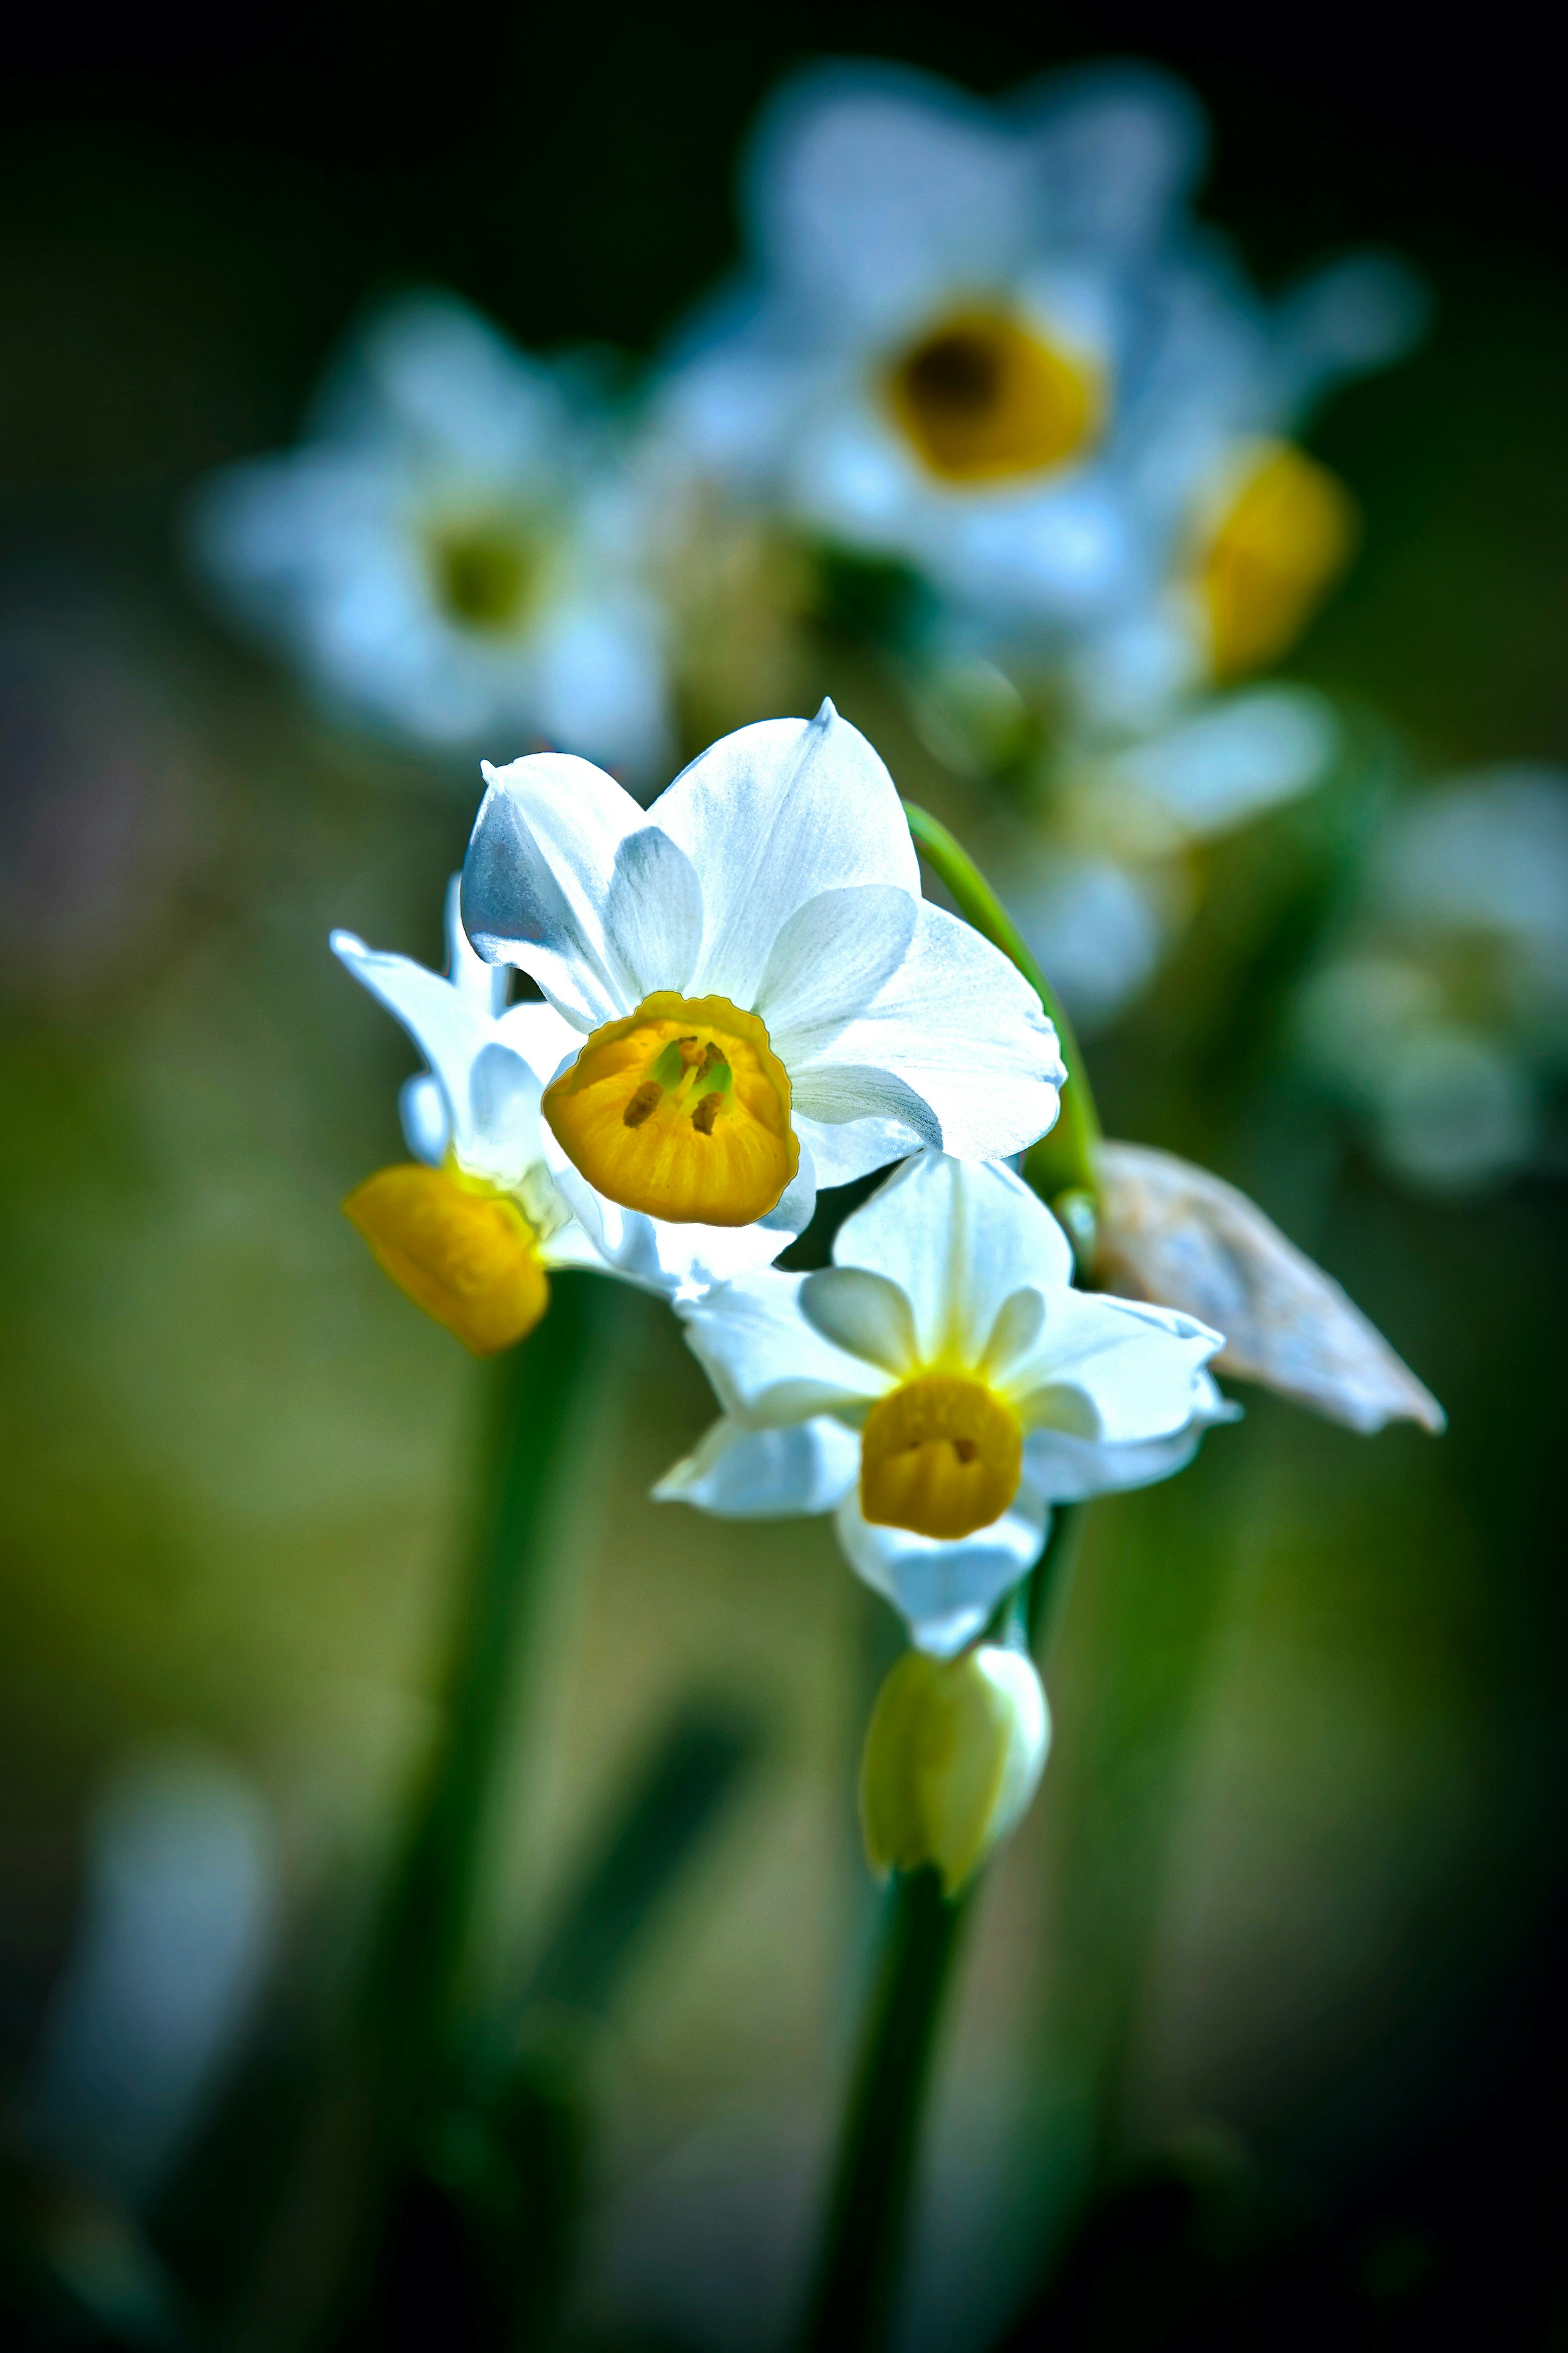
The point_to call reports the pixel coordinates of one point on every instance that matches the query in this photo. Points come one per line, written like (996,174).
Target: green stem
(851,2305)
(1063,1162)
(426,1927)
(851,2302)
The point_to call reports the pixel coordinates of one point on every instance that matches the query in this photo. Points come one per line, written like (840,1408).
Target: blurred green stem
(1061,1167)
(851,2306)
(426,1926)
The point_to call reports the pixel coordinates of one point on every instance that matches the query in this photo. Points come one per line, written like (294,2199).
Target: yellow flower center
(984,398)
(462,1251)
(942,1455)
(484,572)
(680,1109)
(1287,533)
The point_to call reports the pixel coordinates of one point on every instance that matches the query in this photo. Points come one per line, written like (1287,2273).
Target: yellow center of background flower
(984,398)
(1289,533)
(680,1109)
(943,1455)
(462,1250)
(484,574)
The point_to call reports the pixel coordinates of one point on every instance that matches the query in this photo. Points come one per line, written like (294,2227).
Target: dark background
(192,213)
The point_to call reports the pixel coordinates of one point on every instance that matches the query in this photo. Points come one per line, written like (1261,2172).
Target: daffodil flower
(938,1389)
(472,1226)
(451,553)
(989,340)
(767,1001)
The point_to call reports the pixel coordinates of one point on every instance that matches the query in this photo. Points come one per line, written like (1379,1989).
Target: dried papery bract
(1173,1233)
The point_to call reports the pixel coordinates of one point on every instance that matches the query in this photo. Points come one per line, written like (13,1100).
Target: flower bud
(953,1757)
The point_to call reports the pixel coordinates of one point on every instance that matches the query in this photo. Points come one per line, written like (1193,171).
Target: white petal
(874,188)
(945,1591)
(771,1367)
(754,1474)
(1067,1469)
(427,1122)
(854,1147)
(828,963)
(1113,1368)
(565,877)
(959,1237)
(539,1034)
(865,1314)
(960,1028)
(771,816)
(482,987)
(447,1033)
(681,1263)
(500,1136)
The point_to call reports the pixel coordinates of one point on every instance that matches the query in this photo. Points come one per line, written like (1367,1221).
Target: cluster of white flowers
(742,993)
(986,343)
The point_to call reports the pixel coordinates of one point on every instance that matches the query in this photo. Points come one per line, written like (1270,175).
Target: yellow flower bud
(953,1757)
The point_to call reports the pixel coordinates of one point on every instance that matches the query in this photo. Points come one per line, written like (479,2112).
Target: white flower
(1443,1015)
(451,553)
(471,1231)
(773,1005)
(938,1389)
(987,339)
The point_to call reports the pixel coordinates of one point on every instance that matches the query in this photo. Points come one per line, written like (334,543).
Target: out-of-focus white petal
(958,1027)
(1235,758)
(771,816)
(768,1365)
(873,187)
(601,681)
(425,1120)
(754,1474)
(565,877)
(1364,312)
(447,1033)
(481,986)
(959,1239)
(1117,149)
(945,1592)
(536,1031)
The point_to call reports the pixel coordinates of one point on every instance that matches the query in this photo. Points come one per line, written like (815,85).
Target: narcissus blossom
(938,1389)
(768,1002)
(470,1227)
(990,340)
(450,554)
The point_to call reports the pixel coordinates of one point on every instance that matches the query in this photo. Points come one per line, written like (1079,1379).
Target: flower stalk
(1063,1167)
(851,2303)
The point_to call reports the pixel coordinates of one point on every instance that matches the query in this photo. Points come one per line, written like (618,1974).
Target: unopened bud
(953,1757)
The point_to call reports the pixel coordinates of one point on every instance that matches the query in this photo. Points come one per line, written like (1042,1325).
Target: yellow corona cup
(985,398)
(1288,532)
(682,1109)
(461,1249)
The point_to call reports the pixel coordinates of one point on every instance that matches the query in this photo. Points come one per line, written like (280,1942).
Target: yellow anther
(942,1455)
(1285,536)
(680,1109)
(984,398)
(462,1251)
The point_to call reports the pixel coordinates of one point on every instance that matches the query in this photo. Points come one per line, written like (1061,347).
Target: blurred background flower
(1010,429)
